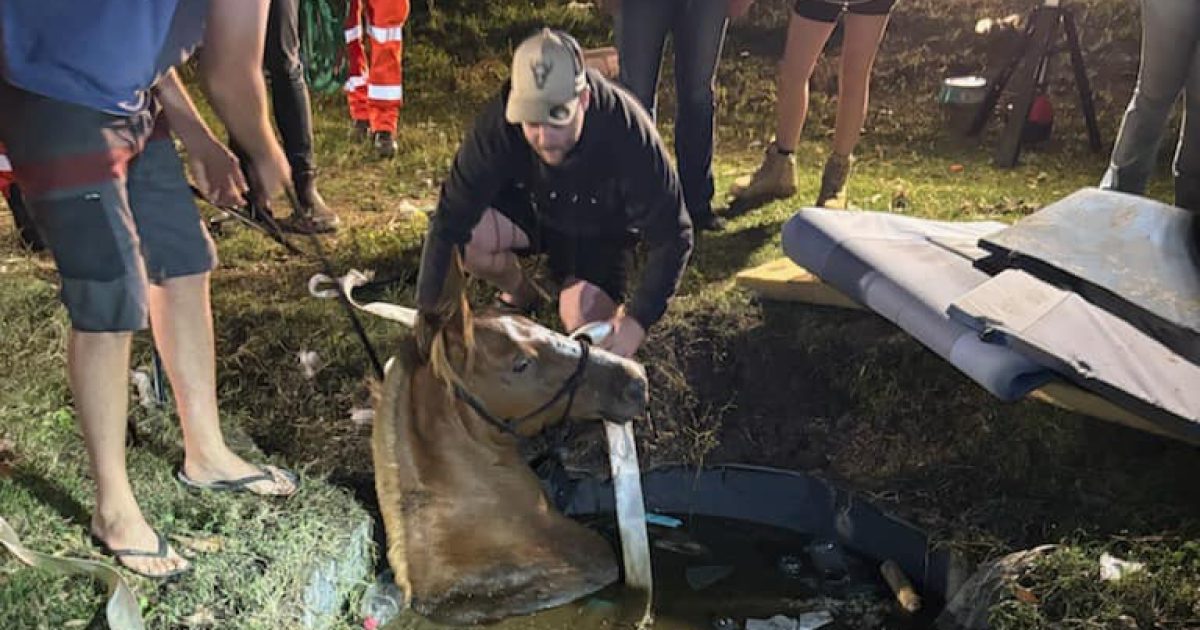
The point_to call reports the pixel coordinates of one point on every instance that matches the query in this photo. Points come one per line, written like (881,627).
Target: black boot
(385,145)
(311,215)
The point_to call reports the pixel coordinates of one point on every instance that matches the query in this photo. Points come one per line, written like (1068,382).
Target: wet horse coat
(471,536)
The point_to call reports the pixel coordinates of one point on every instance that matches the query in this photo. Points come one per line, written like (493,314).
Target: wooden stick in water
(903,589)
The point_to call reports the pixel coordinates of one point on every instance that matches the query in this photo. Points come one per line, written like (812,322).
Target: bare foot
(137,546)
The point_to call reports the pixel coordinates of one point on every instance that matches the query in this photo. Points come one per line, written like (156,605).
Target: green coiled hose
(322,43)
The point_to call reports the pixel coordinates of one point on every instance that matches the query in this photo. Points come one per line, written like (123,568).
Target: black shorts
(829,10)
(602,260)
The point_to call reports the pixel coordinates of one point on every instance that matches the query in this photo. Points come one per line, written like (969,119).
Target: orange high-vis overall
(6,172)
(375,88)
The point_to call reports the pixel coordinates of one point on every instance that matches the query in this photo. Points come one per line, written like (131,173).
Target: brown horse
(471,536)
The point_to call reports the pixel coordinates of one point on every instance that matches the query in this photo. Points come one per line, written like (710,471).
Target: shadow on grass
(53,495)
(721,254)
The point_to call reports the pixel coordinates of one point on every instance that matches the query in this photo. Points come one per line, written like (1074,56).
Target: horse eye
(521,363)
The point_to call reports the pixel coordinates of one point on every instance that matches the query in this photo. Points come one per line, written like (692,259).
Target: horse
(471,536)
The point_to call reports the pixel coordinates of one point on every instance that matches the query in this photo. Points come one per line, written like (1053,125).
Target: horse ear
(454,308)
(453,313)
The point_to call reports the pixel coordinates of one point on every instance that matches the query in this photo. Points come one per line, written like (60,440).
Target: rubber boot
(311,216)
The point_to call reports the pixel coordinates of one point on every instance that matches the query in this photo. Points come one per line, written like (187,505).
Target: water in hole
(715,574)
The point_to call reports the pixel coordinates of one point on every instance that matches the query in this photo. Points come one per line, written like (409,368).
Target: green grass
(840,393)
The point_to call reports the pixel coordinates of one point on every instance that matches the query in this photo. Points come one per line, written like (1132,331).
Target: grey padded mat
(909,271)
(1130,255)
(1091,346)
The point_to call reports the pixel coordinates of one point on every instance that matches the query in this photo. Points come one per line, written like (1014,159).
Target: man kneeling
(565,163)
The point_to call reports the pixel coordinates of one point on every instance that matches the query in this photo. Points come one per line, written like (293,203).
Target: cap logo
(541,71)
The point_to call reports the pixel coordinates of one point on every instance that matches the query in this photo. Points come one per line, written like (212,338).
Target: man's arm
(231,72)
(212,165)
(654,194)
(482,166)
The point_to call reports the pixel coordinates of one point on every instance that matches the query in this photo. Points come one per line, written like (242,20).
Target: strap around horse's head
(511,425)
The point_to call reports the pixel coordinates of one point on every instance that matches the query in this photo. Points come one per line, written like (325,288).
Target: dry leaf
(200,618)
(203,544)
(1025,595)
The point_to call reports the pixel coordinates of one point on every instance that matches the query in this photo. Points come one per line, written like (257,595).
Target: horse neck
(438,445)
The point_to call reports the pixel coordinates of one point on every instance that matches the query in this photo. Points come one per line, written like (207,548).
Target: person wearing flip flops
(88,99)
(811,24)
(565,163)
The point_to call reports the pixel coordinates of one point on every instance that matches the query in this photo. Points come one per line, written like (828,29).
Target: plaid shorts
(109,196)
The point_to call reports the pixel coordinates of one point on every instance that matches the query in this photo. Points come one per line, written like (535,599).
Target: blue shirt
(101,54)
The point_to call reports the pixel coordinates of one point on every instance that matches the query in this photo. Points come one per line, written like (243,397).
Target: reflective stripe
(353,34)
(385,92)
(5,165)
(387,33)
(353,83)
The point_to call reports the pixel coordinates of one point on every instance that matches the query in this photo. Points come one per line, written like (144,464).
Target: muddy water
(714,574)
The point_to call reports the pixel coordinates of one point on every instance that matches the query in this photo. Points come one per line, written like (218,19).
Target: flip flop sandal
(163,551)
(243,484)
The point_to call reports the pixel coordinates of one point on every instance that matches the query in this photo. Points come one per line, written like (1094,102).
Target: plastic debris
(362,415)
(725,623)
(145,388)
(702,577)
(806,621)
(382,602)
(309,362)
(676,541)
(600,606)
(1113,568)
(663,520)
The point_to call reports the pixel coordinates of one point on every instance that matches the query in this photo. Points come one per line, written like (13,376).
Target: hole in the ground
(748,547)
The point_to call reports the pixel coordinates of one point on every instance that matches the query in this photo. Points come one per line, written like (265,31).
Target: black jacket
(618,179)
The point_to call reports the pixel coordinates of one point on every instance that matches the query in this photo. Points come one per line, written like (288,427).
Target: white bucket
(968,90)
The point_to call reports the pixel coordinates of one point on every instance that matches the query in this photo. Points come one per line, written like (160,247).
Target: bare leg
(98,370)
(863,35)
(581,302)
(805,40)
(181,319)
(489,255)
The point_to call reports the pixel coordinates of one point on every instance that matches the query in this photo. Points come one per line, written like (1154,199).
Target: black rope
(271,228)
(568,389)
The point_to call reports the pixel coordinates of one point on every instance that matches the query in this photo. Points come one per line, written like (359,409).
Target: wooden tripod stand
(1037,48)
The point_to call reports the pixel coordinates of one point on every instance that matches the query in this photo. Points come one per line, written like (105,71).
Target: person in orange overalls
(12,194)
(375,89)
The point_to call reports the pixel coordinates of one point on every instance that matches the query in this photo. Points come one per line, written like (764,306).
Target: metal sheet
(1130,255)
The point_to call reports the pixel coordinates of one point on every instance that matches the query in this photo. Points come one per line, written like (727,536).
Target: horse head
(471,536)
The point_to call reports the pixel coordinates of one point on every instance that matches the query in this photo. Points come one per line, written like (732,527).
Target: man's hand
(231,72)
(271,173)
(627,335)
(738,8)
(216,172)
(213,167)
